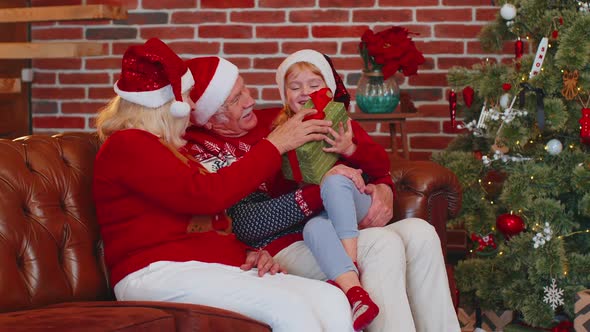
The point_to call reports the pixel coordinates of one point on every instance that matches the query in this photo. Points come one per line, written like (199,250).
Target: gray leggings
(344,207)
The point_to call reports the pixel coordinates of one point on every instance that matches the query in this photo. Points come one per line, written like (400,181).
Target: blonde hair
(286,112)
(121,114)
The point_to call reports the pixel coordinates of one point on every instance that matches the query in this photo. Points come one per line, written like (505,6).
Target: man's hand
(296,132)
(381,210)
(354,174)
(262,260)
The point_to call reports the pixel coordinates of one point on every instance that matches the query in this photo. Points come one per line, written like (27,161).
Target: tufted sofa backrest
(50,248)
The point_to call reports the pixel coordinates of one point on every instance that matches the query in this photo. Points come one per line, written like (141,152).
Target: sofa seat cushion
(88,319)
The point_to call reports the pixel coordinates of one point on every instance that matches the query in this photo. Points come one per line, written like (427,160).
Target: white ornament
(554,147)
(505,100)
(539,57)
(508,12)
(553,295)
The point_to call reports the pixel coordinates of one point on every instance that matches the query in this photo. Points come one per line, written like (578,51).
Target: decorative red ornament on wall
(585,126)
(509,224)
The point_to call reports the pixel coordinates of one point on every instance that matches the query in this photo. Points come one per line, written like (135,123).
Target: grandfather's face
(235,118)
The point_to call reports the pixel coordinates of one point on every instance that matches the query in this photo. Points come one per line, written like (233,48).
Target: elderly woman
(161,213)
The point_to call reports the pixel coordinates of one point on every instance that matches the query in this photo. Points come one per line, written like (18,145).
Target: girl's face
(300,82)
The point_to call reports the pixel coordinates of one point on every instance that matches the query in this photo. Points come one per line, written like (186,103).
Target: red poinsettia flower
(390,50)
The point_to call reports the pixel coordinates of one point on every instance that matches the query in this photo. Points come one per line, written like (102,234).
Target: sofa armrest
(188,317)
(426,190)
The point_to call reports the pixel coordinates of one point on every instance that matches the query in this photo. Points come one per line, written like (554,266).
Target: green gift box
(313,161)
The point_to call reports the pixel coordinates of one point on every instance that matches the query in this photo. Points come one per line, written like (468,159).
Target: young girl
(334,244)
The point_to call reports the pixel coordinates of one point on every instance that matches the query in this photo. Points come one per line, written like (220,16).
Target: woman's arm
(138,161)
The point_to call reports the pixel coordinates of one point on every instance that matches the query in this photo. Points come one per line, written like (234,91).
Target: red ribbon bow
(320,99)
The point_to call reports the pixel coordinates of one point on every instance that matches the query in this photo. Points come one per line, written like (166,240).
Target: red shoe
(364,310)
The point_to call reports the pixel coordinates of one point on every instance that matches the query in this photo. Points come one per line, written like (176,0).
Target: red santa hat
(215,78)
(310,56)
(152,75)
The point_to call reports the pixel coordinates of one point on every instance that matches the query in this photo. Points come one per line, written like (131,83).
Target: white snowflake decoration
(541,238)
(553,295)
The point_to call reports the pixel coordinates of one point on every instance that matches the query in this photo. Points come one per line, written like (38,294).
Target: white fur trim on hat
(217,91)
(156,98)
(315,58)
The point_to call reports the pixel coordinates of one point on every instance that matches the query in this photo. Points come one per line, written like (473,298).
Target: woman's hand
(262,260)
(352,173)
(296,132)
(342,140)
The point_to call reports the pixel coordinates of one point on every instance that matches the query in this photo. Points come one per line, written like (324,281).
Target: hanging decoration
(555,32)
(540,94)
(585,126)
(453,107)
(541,238)
(505,98)
(539,57)
(484,241)
(509,224)
(518,52)
(554,147)
(508,11)
(468,94)
(570,84)
(553,295)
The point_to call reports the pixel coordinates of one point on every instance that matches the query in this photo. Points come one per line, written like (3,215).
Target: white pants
(403,270)
(285,302)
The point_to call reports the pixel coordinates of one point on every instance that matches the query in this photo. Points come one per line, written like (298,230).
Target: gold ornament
(500,146)
(570,84)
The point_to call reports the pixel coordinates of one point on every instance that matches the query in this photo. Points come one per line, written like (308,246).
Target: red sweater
(145,197)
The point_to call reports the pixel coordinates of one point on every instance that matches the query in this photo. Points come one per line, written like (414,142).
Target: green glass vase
(375,94)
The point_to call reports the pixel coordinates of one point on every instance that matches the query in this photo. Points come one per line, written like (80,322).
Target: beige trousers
(403,270)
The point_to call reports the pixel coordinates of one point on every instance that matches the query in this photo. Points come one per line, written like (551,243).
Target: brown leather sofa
(52,275)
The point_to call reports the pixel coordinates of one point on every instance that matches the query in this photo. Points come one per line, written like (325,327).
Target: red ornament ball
(509,224)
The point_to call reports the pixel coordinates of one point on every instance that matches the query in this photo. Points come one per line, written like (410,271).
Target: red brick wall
(256,36)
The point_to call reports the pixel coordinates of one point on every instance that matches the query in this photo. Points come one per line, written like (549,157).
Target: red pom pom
(506,86)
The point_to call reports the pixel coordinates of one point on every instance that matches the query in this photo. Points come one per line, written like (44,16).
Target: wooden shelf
(49,50)
(9,85)
(62,13)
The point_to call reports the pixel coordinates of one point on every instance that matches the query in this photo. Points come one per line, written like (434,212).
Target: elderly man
(401,264)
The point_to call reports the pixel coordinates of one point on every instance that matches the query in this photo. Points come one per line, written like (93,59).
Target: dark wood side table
(390,119)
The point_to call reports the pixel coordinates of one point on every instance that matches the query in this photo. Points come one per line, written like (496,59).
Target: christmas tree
(523,157)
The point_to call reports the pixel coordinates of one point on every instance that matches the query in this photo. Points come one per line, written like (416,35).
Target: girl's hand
(262,260)
(342,140)
(352,173)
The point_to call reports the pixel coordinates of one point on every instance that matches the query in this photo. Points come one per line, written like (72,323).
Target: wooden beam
(9,85)
(49,50)
(62,13)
